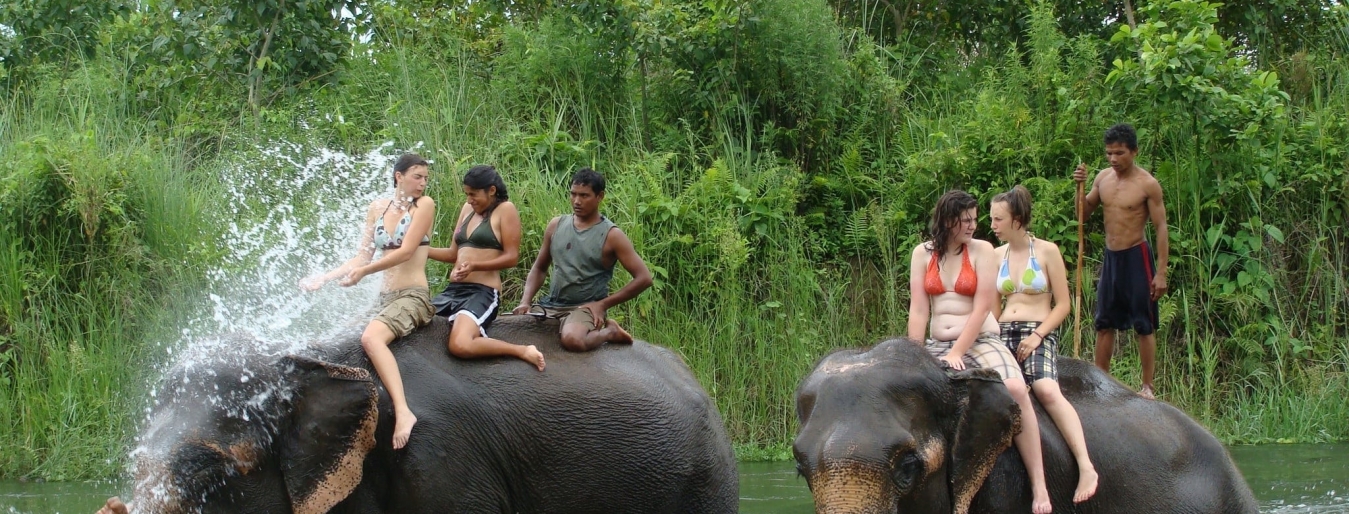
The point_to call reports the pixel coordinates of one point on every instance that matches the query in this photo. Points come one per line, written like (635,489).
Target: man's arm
(1093,197)
(1157,211)
(540,268)
(633,263)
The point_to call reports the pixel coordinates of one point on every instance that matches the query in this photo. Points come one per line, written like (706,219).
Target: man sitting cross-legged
(584,246)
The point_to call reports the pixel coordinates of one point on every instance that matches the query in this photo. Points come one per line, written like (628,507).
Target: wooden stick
(1081,250)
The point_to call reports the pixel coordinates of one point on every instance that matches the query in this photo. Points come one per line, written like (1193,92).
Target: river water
(1287,479)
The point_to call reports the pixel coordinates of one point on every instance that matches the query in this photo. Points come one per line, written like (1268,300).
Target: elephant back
(601,417)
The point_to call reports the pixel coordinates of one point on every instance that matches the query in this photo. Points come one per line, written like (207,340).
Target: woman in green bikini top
(1031,268)
(486,241)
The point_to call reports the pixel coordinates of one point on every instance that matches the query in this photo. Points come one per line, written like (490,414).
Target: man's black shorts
(1124,293)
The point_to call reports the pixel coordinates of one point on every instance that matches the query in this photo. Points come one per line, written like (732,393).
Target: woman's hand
(312,283)
(1028,346)
(461,271)
(955,361)
(353,277)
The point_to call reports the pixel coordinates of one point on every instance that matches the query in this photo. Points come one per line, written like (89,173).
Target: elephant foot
(402,428)
(114,505)
(1146,392)
(1086,484)
(617,334)
(533,356)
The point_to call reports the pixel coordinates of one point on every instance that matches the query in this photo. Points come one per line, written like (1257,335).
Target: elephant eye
(908,470)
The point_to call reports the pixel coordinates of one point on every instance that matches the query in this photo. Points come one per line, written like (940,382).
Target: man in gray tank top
(584,246)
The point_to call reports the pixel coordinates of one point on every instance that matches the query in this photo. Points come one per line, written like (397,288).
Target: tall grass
(773,239)
(100,217)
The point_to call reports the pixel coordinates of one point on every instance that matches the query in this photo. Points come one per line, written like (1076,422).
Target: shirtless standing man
(1130,284)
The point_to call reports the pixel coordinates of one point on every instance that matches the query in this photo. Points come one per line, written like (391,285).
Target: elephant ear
(331,429)
(986,421)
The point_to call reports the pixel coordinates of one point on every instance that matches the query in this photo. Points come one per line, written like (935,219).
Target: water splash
(288,211)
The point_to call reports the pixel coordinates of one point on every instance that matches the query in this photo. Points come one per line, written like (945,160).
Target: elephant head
(889,430)
(264,435)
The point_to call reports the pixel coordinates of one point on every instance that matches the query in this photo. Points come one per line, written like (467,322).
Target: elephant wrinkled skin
(888,430)
(620,429)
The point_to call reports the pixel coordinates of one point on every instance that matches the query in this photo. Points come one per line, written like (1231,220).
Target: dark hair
(1122,133)
(484,176)
(406,162)
(1018,204)
(945,216)
(589,177)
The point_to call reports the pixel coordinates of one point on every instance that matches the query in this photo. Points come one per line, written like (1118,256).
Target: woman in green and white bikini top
(1030,317)
(1031,281)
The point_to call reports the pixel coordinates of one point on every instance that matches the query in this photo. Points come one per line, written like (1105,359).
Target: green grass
(765,261)
(99,217)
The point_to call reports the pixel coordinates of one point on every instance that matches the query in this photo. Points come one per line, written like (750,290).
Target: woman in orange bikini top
(967,283)
(959,328)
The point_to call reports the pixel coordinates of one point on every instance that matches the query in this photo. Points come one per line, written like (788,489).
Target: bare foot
(113,506)
(1146,392)
(533,356)
(1086,484)
(1041,505)
(402,428)
(619,336)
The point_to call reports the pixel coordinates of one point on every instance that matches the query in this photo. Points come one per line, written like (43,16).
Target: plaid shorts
(987,352)
(1043,362)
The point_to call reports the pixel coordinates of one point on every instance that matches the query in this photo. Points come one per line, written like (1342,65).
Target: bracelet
(1036,332)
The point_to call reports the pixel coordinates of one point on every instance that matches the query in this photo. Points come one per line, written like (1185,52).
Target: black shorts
(476,301)
(1124,294)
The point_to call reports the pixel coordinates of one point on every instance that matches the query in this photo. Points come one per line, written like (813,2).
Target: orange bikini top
(967,283)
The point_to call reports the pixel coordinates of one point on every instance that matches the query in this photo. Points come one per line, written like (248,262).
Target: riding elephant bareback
(887,429)
(620,429)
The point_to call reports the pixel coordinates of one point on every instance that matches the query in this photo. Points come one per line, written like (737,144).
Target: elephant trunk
(851,487)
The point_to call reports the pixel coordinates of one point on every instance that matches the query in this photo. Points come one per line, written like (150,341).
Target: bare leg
(1147,353)
(1105,349)
(577,337)
(1028,445)
(1065,417)
(467,342)
(376,341)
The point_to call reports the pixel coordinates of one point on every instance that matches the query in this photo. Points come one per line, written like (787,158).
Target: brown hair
(406,162)
(1018,204)
(945,216)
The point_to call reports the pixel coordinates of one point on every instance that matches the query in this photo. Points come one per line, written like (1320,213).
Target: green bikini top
(1032,281)
(482,236)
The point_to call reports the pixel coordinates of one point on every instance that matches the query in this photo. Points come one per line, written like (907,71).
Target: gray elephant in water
(889,430)
(621,429)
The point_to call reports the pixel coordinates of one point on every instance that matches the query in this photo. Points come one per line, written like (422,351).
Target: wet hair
(1018,204)
(484,176)
(945,217)
(589,177)
(405,163)
(1122,133)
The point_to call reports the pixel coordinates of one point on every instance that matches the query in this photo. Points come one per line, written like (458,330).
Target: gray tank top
(579,273)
